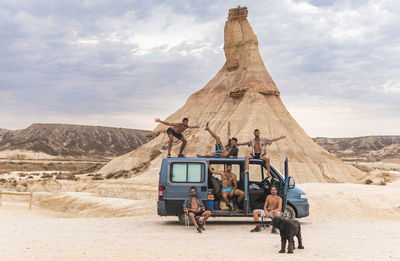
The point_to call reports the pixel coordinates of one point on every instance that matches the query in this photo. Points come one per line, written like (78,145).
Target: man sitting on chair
(272,208)
(196,209)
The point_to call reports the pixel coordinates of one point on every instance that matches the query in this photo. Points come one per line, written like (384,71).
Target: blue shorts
(218,149)
(228,189)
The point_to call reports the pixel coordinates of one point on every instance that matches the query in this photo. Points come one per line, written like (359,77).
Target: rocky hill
(370,148)
(73,140)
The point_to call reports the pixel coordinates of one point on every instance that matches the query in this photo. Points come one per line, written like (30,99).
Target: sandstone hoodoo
(243,93)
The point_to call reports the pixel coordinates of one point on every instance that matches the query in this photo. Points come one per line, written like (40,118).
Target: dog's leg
(283,245)
(291,245)
(299,239)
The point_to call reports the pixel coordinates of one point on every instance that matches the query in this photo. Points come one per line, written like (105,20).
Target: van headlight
(303,196)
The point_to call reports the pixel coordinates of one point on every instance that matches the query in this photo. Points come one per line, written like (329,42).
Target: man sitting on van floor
(229,184)
(259,149)
(272,208)
(176,130)
(230,151)
(196,208)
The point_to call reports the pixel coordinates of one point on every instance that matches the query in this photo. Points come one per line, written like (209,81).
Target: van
(178,175)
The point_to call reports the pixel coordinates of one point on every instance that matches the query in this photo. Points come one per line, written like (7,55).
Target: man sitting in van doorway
(196,209)
(272,208)
(259,149)
(229,184)
(176,130)
(230,151)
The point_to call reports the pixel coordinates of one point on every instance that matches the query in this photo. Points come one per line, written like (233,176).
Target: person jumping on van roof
(259,149)
(230,151)
(229,184)
(176,130)
(272,208)
(196,208)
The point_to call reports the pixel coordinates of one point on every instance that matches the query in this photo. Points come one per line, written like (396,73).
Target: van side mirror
(292,183)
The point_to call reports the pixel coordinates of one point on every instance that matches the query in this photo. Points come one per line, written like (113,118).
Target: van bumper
(161,208)
(302,209)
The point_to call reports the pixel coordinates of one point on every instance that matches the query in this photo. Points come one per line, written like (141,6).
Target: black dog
(288,229)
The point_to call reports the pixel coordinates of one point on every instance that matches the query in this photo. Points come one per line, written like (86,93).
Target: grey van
(178,175)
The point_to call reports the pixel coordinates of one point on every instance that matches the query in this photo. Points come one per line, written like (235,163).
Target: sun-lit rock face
(243,93)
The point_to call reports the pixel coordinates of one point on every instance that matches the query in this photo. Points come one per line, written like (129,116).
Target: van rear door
(182,175)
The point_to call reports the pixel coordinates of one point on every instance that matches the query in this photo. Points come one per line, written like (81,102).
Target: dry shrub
(368,181)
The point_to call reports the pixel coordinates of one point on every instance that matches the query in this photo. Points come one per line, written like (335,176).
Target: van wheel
(289,213)
(181,217)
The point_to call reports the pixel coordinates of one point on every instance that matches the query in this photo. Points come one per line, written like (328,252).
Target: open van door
(286,186)
(287,210)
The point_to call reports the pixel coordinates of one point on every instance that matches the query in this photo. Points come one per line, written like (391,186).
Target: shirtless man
(259,149)
(229,184)
(230,151)
(196,208)
(176,130)
(272,208)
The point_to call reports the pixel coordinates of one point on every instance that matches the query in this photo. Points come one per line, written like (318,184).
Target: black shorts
(176,135)
(198,213)
(256,155)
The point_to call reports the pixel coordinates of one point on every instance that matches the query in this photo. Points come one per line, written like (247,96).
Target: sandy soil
(347,222)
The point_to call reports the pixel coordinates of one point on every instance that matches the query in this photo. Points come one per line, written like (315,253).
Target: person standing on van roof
(229,184)
(196,208)
(259,149)
(176,130)
(230,151)
(272,208)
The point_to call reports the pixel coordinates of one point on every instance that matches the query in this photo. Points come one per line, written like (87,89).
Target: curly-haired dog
(288,229)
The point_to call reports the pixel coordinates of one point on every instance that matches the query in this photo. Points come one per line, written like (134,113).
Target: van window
(187,172)
(255,172)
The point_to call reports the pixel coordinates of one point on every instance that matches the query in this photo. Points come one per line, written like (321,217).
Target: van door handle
(203,188)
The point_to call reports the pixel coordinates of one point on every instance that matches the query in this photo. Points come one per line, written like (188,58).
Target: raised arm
(212,170)
(229,130)
(165,123)
(194,127)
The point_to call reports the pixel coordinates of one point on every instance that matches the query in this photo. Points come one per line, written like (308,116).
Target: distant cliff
(370,148)
(73,140)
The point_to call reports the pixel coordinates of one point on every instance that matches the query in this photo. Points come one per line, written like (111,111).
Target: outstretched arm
(165,123)
(243,143)
(279,138)
(194,127)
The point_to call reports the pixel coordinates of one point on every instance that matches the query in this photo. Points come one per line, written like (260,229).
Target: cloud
(123,63)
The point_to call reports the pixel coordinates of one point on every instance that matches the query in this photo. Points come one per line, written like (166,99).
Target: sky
(123,63)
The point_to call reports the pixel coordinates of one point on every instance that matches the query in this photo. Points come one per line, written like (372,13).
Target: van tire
(289,213)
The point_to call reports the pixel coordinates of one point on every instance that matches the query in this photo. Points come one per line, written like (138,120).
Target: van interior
(259,183)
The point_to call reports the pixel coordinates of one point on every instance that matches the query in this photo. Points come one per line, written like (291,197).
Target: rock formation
(243,93)
(73,140)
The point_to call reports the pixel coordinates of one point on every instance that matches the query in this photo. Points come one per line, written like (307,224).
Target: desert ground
(346,222)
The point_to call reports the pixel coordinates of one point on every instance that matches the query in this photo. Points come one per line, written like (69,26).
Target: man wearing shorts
(272,208)
(176,130)
(196,209)
(259,149)
(230,151)
(229,184)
